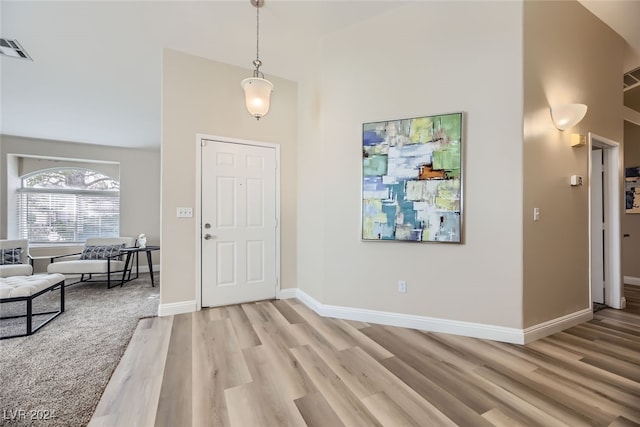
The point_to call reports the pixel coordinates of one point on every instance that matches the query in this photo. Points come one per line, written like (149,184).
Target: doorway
(239,231)
(604,217)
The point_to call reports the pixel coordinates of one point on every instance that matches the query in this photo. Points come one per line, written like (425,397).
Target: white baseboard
(552,326)
(628,280)
(176,308)
(455,327)
(286,293)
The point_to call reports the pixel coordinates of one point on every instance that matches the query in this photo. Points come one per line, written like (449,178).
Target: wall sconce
(566,116)
(578,140)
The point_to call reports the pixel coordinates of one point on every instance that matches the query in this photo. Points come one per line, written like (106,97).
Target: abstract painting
(632,189)
(412,179)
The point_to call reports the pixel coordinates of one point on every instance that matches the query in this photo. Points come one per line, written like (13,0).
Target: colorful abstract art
(412,179)
(632,189)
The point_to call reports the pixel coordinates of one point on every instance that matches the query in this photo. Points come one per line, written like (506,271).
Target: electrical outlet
(402,286)
(184,212)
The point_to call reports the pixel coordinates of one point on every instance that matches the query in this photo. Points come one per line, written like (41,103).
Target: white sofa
(14,258)
(100,256)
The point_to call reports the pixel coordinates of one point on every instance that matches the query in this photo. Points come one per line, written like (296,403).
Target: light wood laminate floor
(277,363)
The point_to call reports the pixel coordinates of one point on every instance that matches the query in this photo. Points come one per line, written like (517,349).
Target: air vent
(13,49)
(631,79)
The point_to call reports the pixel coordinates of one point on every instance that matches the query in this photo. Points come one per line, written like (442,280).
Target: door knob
(208,236)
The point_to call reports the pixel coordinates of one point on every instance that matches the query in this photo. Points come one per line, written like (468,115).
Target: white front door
(597,227)
(238,223)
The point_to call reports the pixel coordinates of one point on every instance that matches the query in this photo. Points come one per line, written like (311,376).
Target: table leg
(150,267)
(126,265)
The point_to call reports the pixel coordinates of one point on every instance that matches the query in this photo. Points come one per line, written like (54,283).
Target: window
(68,205)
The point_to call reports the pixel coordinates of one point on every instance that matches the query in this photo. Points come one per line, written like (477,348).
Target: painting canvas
(632,189)
(412,179)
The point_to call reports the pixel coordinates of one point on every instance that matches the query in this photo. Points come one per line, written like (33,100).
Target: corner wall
(423,59)
(570,56)
(203,96)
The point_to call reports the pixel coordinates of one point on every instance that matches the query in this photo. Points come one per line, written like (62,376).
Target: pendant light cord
(258,33)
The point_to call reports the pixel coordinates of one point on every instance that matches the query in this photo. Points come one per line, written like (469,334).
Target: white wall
(424,59)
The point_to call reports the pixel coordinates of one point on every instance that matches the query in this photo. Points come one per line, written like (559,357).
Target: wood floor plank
(345,404)
(371,347)
(357,324)
(632,330)
(279,369)
(336,336)
(514,384)
(424,353)
(609,333)
(483,350)
(608,406)
(242,326)
(217,364)
(284,307)
(499,419)
(388,412)
(416,349)
(362,374)
(598,357)
(623,422)
(516,408)
(439,397)
(270,325)
(317,412)
(591,339)
(131,397)
(575,371)
(253,405)
(175,402)
(414,406)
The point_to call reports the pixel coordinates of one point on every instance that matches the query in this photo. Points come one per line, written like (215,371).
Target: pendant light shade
(257,89)
(257,93)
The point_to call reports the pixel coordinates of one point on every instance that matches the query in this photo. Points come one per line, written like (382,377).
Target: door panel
(239,201)
(226,202)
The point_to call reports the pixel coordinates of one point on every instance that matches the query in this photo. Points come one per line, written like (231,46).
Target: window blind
(67,215)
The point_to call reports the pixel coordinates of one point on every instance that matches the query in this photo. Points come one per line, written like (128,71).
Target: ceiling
(96,71)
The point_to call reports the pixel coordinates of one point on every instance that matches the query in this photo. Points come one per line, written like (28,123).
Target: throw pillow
(101,252)
(10,256)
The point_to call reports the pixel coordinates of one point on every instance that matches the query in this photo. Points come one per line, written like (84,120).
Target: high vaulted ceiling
(96,70)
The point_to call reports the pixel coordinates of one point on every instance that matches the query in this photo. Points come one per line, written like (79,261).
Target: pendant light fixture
(257,89)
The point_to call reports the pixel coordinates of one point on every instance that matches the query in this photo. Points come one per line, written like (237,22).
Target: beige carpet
(60,372)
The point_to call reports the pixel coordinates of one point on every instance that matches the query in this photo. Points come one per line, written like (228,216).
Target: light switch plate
(184,212)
